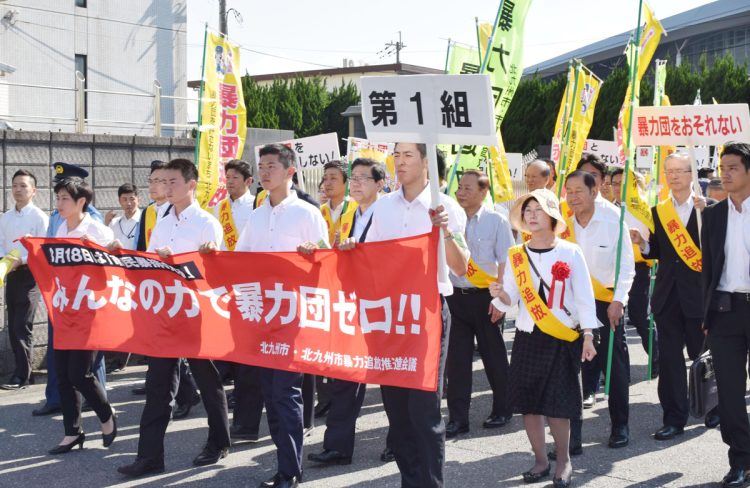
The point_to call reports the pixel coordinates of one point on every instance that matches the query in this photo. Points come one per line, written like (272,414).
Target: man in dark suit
(676,301)
(726,299)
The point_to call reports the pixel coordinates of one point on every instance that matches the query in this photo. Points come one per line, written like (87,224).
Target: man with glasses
(366,182)
(677,301)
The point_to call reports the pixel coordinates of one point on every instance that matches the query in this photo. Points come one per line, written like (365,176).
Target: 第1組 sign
(431,109)
(691,125)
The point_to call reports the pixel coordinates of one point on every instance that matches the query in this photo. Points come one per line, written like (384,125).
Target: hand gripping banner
(370,315)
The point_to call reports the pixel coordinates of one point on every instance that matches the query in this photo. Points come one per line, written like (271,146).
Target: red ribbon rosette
(560,272)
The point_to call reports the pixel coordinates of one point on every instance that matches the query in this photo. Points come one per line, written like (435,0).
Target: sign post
(429,109)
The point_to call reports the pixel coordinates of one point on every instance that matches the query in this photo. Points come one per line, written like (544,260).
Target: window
(81,3)
(81,67)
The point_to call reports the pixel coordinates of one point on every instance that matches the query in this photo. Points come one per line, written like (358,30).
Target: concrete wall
(127,46)
(111,160)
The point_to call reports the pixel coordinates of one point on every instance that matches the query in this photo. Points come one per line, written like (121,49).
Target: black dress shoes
(242,433)
(495,421)
(46,409)
(210,455)
(279,481)
(668,432)
(531,477)
(620,437)
(330,457)
(735,478)
(183,411)
(453,429)
(387,455)
(712,418)
(15,383)
(142,466)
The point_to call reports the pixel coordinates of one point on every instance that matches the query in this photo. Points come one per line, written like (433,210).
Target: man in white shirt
(416,424)
(726,289)
(157,191)
(125,226)
(234,211)
(346,397)
(596,229)
(22,296)
(185,228)
(283,222)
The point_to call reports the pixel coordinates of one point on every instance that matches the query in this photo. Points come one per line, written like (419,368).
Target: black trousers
(619,408)
(469,319)
(75,379)
(417,430)
(638,309)
(162,380)
(248,397)
(308,400)
(729,338)
(282,395)
(22,299)
(675,332)
(323,390)
(346,402)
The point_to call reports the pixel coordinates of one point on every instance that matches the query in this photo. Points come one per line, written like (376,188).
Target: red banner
(371,315)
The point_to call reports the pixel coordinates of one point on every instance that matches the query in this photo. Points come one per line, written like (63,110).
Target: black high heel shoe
(531,477)
(108,439)
(562,483)
(63,448)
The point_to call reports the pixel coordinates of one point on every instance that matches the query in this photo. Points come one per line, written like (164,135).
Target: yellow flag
(562,116)
(582,107)
(664,151)
(502,186)
(223,118)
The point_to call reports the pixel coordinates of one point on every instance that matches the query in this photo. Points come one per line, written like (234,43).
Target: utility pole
(223,17)
(397,46)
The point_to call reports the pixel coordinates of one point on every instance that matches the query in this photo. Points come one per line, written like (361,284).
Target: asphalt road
(480,458)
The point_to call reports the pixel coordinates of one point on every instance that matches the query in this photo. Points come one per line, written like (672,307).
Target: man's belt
(469,291)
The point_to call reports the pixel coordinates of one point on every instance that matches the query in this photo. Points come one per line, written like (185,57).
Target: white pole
(432,172)
(696,187)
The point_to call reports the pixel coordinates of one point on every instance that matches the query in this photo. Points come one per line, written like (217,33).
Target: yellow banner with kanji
(678,235)
(582,116)
(223,118)
(562,117)
(543,317)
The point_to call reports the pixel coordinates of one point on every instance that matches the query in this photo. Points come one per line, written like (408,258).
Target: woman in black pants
(74,375)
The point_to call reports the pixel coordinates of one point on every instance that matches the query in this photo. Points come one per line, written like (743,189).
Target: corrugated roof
(677,27)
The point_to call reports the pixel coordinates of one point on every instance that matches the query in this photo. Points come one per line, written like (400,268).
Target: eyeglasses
(672,172)
(360,179)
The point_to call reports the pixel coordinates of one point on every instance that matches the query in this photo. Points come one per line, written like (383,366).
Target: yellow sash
(261,198)
(678,235)
(639,257)
(150,221)
(343,226)
(477,276)
(601,292)
(227,224)
(535,306)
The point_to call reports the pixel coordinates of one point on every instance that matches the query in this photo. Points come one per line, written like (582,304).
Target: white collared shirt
(488,237)
(735,276)
(360,223)
(598,240)
(394,218)
(17,223)
(685,209)
(186,232)
(579,294)
(283,227)
(241,210)
(126,229)
(336,212)
(97,231)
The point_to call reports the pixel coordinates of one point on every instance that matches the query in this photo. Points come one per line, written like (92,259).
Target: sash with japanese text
(327,314)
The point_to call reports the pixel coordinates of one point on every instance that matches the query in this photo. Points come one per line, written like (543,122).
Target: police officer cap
(67,170)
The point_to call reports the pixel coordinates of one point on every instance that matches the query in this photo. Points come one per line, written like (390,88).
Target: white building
(119,46)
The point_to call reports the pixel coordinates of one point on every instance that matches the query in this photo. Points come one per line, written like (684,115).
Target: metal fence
(80,99)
